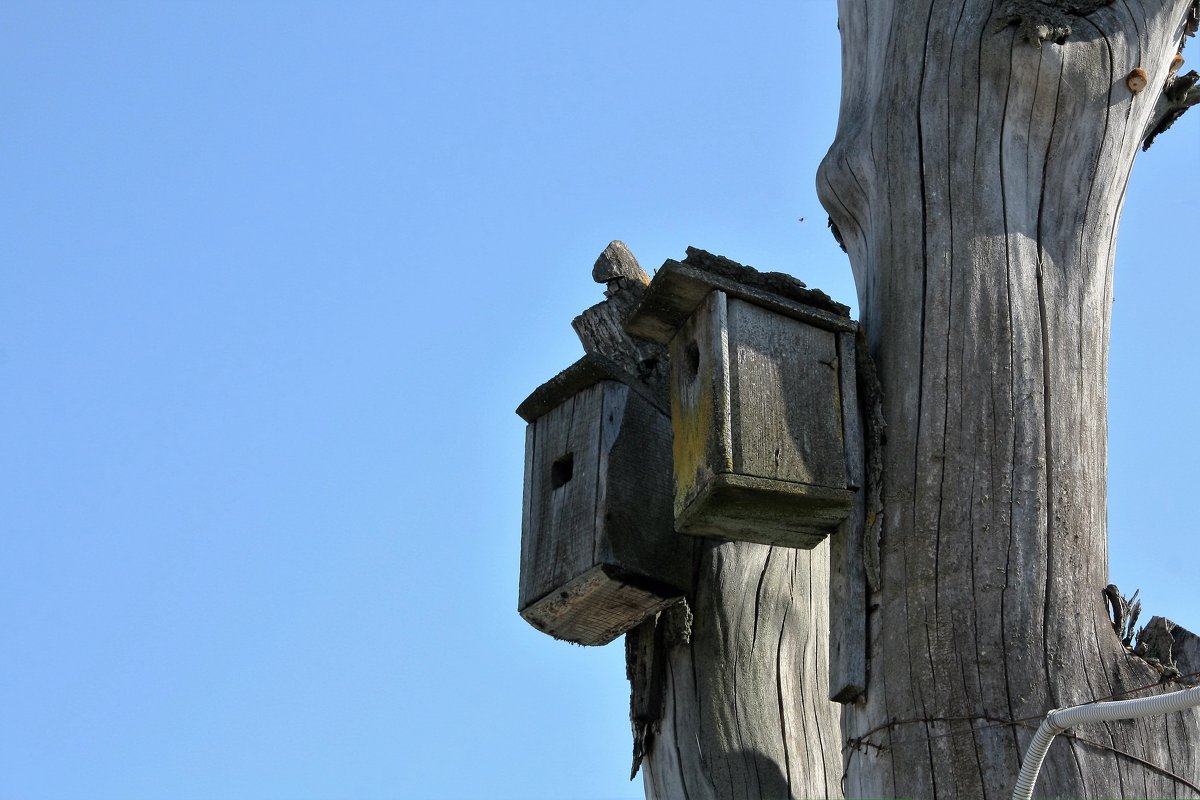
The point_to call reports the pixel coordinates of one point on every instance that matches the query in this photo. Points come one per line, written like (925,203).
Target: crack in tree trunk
(746,712)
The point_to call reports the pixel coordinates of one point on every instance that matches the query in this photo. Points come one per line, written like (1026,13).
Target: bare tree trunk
(747,713)
(977,179)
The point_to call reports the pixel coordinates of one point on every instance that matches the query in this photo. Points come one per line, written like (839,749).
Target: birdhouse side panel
(638,530)
(558,540)
(700,401)
(786,405)
(528,503)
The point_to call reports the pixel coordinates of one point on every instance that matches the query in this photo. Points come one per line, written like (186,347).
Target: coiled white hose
(1061,719)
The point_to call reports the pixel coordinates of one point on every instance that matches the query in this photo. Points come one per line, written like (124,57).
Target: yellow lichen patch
(691,421)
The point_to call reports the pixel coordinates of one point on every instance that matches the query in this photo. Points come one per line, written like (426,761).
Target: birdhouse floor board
(599,605)
(765,511)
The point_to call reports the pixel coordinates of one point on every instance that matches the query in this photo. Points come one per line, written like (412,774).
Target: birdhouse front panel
(597,520)
(562,475)
(786,420)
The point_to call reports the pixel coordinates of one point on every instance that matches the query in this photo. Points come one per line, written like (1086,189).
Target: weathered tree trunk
(976,180)
(747,712)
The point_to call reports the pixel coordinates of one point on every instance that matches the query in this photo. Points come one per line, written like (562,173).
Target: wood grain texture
(1186,652)
(746,714)
(601,331)
(785,398)
(644,672)
(977,182)
(635,514)
(562,514)
(851,416)
(847,571)
(700,423)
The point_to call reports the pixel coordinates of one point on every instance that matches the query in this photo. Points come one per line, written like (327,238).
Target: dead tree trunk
(747,712)
(976,180)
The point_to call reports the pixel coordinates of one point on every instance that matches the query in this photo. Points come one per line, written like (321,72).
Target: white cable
(1061,719)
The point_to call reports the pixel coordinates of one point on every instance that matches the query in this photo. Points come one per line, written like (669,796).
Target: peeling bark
(977,181)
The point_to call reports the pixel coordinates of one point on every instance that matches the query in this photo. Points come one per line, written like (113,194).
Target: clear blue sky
(274,276)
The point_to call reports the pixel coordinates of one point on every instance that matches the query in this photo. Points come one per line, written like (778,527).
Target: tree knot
(1040,21)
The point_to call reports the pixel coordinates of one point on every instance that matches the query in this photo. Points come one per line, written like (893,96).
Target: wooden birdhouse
(762,400)
(598,551)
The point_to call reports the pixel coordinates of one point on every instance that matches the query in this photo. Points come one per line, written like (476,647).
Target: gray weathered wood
(747,714)
(616,263)
(847,572)
(599,553)
(702,441)
(1156,644)
(706,741)
(745,709)
(648,649)
(976,181)
(678,288)
(785,398)
(751,509)
(757,420)
(851,416)
(644,672)
(601,330)
(567,461)
(582,374)
(1187,654)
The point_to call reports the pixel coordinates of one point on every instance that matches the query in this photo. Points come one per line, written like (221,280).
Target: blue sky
(273,278)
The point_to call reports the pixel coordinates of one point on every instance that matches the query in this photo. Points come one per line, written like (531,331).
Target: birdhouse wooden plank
(758,401)
(598,550)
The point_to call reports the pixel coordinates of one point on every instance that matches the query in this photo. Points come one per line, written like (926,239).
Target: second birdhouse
(598,552)
(762,400)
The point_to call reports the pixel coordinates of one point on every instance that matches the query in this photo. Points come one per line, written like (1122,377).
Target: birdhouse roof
(587,371)
(679,286)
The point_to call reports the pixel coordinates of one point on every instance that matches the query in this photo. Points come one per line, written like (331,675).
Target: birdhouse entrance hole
(692,362)
(561,470)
